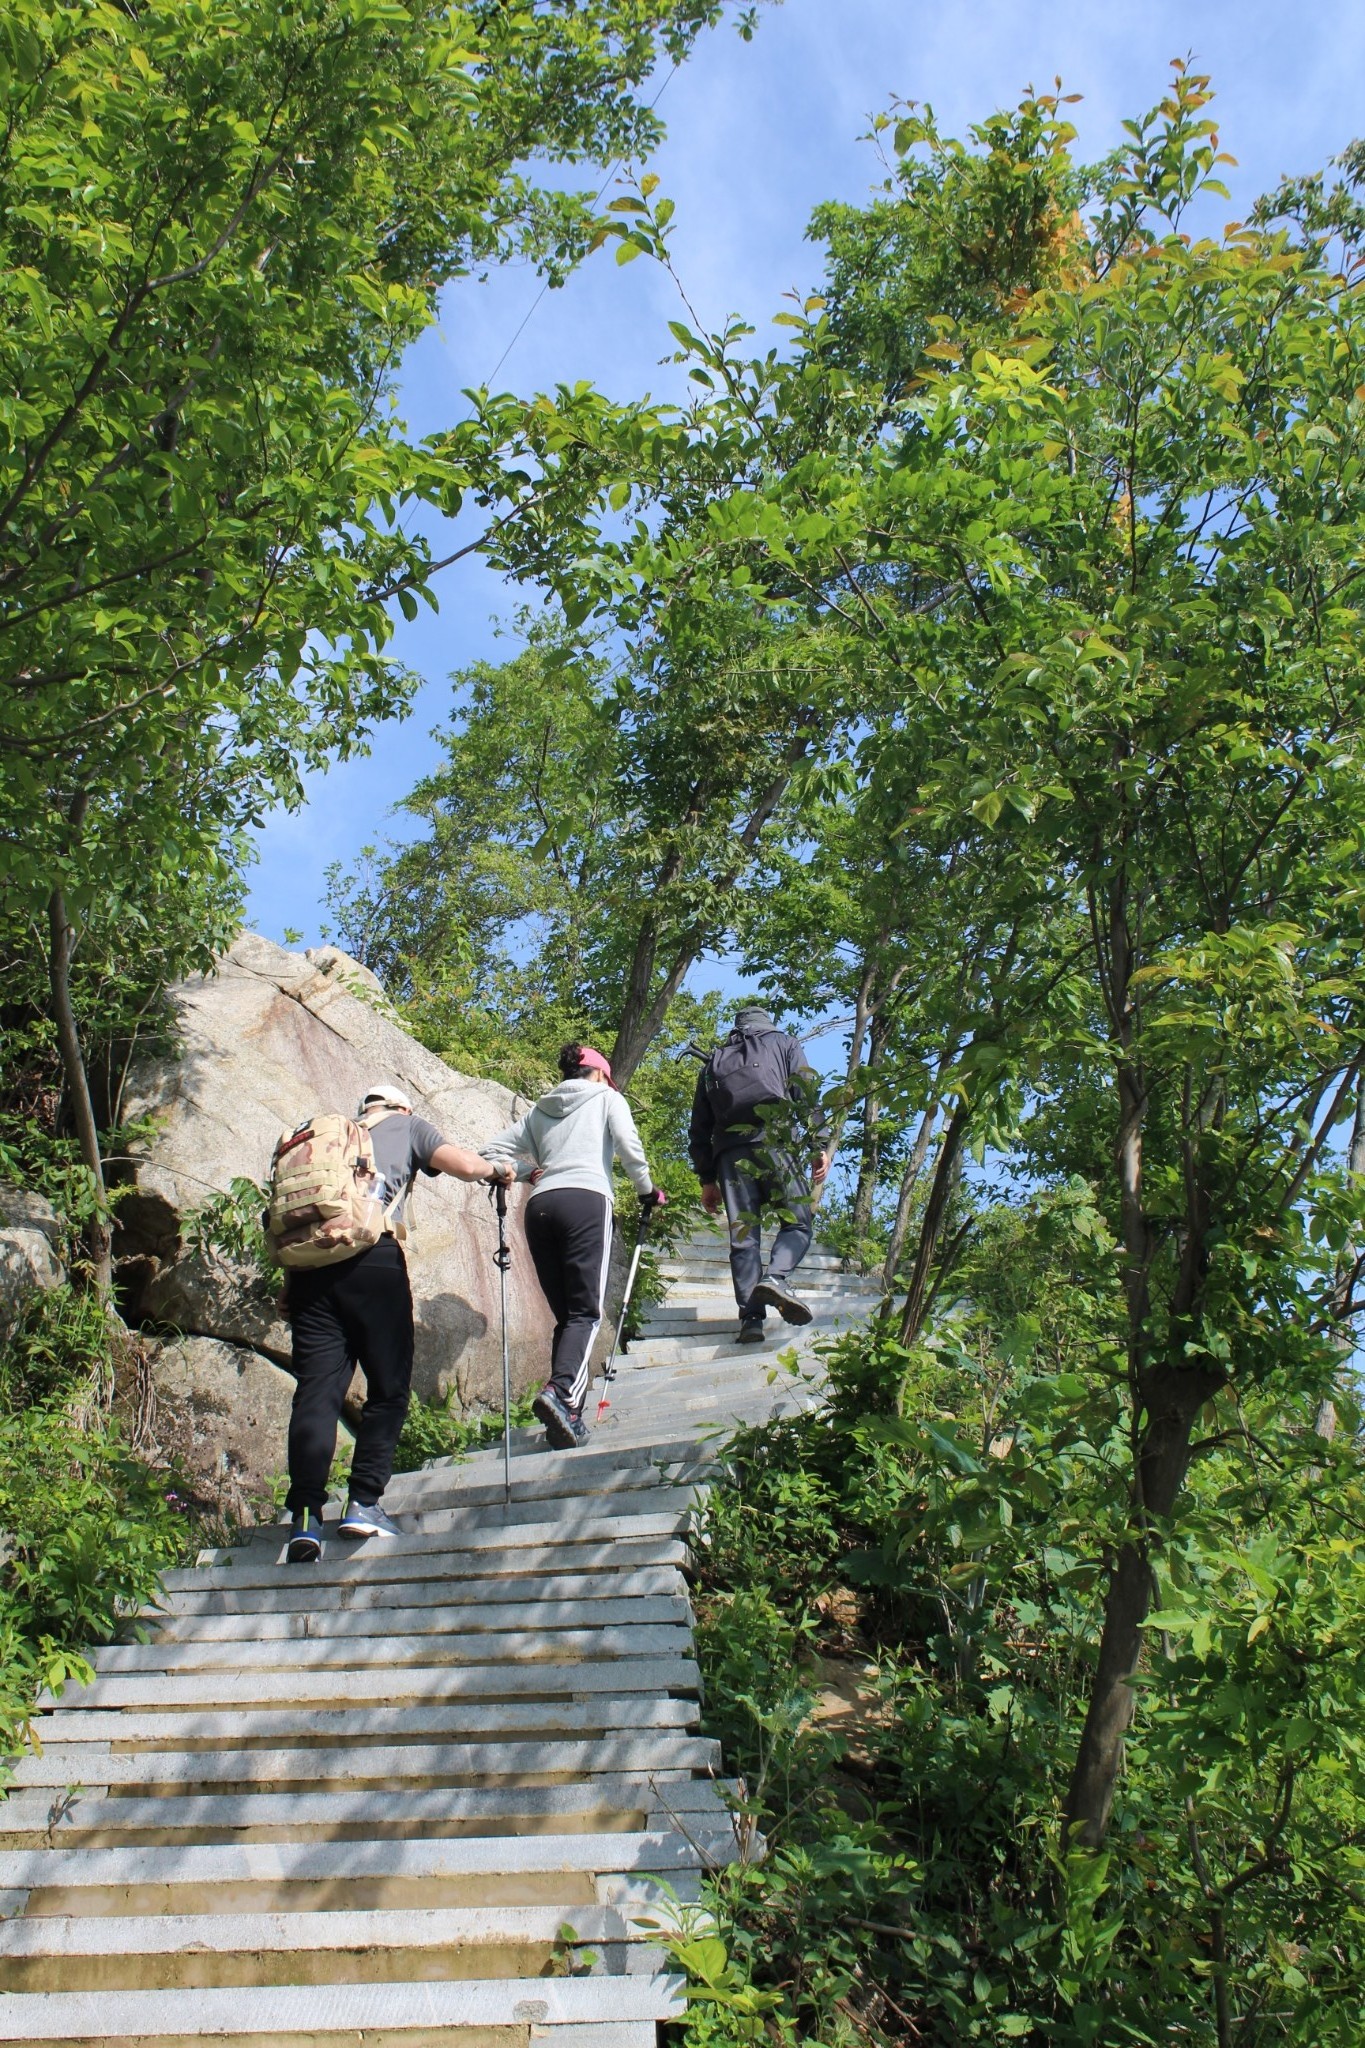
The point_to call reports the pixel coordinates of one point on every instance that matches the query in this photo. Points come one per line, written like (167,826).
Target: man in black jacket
(756,1120)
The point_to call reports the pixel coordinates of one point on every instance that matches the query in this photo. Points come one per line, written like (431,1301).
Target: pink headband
(588,1057)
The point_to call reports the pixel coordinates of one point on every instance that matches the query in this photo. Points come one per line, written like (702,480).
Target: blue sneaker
(305,1541)
(366,1518)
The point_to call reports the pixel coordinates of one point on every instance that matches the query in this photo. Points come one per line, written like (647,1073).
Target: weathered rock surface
(229,1419)
(265,1040)
(29,1243)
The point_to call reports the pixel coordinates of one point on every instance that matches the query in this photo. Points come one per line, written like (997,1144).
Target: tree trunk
(61,945)
(643,1015)
(1171,1398)
(636,1036)
(931,1224)
(862,1010)
(869,1166)
(914,1167)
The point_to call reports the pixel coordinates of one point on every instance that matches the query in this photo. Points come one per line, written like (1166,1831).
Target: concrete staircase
(443,1791)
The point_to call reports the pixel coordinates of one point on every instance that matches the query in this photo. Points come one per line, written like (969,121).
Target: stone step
(564,1475)
(293,1597)
(469,1870)
(88,1765)
(500,1535)
(355,1653)
(128,1732)
(716,1284)
(530,1612)
(537,1473)
(387,1686)
(422,1562)
(121,1951)
(715,1244)
(562,1519)
(702,1350)
(631,1801)
(702,1319)
(277,2012)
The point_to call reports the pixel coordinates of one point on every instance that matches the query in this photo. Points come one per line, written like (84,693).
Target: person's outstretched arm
(629,1150)
(701,1141)
(514,1146)
(464,1165)
(804,1084)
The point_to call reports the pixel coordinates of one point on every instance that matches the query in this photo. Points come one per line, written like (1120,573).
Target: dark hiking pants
(357,1313)
(569,1234)
(751,1182)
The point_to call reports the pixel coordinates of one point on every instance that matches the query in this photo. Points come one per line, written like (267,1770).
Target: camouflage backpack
(324,1205)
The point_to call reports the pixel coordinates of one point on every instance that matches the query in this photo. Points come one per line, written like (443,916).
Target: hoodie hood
(563,1100)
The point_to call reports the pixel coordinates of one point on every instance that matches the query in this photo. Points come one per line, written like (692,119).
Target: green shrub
(437,1429)
(86,1527)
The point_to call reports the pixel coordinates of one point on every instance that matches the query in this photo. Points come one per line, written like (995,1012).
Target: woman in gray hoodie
(566,1145)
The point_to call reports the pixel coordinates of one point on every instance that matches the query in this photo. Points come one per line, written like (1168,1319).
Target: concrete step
(64,1953)
(715,1244)
(277,2012)
(430,1561)
(356,1653)
(465,1871)
(565,1475)
(386,1686)
(351,1598)
(701,1318)
(398,1795)
(627,1800)
(557,1519)
(530,1612)
(63,1765)
(486,1466)
(128,1732)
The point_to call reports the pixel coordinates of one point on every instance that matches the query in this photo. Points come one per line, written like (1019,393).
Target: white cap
(386,1094)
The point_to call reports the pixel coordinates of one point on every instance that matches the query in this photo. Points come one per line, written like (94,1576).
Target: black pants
(357,1313)
(569,1233)
(751,1182)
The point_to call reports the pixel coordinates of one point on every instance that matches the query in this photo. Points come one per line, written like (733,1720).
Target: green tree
(222,225)
(1100,542)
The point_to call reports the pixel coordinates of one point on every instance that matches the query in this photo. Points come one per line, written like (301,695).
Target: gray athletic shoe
(305,1539)
(750,1330)
(366,1518)
(564,1429)
(776,1293)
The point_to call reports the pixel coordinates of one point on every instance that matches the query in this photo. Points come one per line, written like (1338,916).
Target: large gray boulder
(222,1415)
(269,1037)
(29,1244)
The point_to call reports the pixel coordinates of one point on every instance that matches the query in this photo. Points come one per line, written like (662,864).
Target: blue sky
(759,134)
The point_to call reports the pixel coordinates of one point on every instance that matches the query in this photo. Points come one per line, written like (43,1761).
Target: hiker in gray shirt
(757,1142)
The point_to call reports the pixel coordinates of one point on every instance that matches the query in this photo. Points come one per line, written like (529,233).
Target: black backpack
(750,1069)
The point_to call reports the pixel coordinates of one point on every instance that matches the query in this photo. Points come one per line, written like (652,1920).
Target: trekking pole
(502,1259)
(609,1370)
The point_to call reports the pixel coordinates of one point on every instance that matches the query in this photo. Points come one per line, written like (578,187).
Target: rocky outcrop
(29,1247)
(266,1039)
(222,1418)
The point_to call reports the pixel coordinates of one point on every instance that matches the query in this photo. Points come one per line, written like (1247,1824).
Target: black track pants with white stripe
(569,1233)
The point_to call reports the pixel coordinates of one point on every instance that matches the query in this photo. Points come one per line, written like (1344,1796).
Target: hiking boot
(775,1292)
(562,1426)
(305,1541)
(366,1518)
(750,1330)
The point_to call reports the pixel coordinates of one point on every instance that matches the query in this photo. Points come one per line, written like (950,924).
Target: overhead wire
(532,309)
